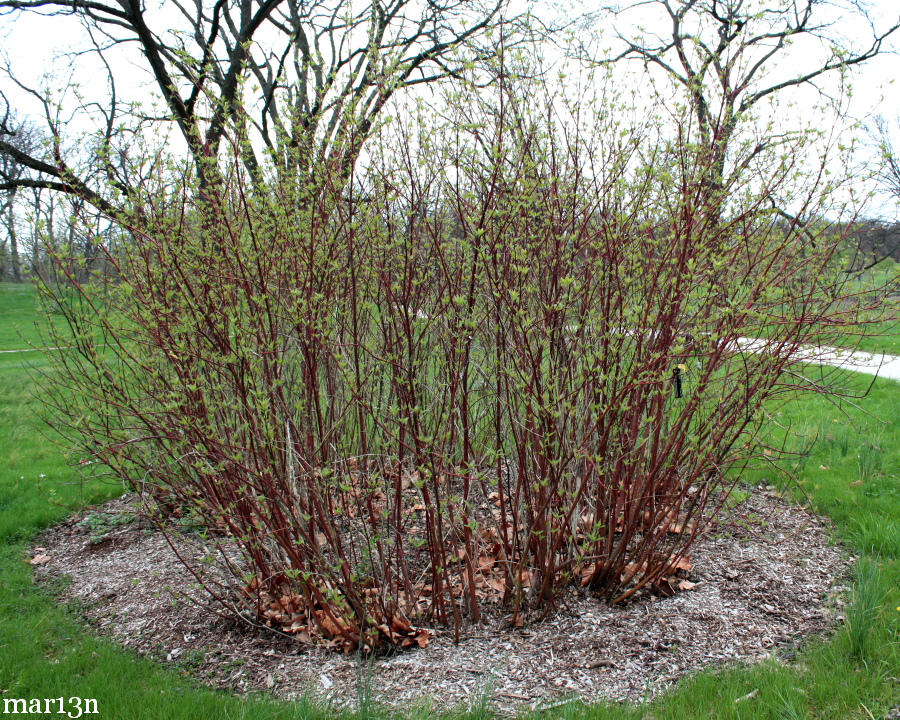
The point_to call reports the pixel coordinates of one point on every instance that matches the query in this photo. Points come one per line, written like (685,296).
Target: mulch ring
(765,581)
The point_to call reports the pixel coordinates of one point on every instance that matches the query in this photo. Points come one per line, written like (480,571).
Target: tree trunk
(13,243)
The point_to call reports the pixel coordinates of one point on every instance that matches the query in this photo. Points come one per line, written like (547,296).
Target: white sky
(34,48)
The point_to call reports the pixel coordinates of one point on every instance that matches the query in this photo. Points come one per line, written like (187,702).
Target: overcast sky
(34,48)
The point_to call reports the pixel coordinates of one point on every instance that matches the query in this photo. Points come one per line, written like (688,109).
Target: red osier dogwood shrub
(505,359)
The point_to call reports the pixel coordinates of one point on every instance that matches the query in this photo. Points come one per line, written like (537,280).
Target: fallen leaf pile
(291,615)
(40,557)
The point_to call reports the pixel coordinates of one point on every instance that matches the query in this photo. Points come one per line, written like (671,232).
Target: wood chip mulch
(765,581)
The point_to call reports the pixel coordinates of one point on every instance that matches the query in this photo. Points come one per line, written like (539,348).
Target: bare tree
(889,162)
(13,176)
(878,239)
(874,241)
(729,55)
(291,82)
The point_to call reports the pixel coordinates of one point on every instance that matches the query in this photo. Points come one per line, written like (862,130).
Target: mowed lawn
(847,464)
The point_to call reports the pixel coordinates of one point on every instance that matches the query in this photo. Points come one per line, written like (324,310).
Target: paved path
(880,364)
(886,366)
(4,352)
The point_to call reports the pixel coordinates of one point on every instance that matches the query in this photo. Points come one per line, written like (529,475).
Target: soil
(765,581)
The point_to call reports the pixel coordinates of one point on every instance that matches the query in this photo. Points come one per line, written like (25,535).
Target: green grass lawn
(882,332)
(18,316)
(847,463)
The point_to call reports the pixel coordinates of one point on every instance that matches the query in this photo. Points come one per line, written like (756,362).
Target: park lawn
(847,464)
(881,332)
(18,316)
